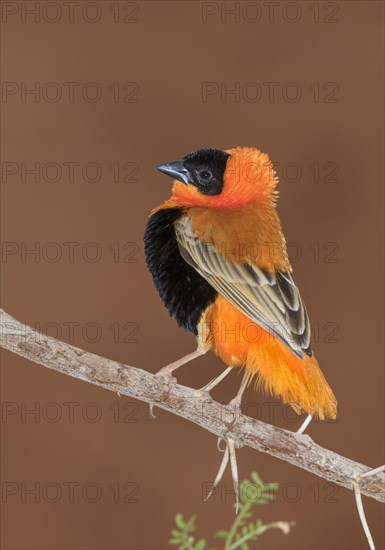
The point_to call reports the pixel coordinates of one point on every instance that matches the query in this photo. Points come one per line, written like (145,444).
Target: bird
(218,259)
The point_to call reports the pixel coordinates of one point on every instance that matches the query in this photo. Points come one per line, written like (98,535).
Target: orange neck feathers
(242,221)
(249,178)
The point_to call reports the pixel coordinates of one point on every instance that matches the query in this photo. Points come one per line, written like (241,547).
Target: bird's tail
(299,382)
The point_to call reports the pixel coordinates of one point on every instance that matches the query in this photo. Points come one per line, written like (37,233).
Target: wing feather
(272,301)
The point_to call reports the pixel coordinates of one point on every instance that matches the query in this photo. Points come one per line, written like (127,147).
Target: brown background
(169,52)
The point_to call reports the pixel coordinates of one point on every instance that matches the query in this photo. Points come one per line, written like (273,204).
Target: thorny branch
(299,450)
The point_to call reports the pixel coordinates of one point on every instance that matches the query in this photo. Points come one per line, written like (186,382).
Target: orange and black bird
(218,259)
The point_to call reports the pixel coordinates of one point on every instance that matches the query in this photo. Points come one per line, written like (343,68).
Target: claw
(219,441)
(220,473)
(235,408)
(234,471)
(165,374)
(151,413)
(229,455)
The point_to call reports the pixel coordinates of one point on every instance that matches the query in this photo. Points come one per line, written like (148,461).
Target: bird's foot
(229,455)
(203,394)
(234,406)
(205,391)
(166,375)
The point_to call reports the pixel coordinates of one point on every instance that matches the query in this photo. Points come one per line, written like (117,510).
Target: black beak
(175,170)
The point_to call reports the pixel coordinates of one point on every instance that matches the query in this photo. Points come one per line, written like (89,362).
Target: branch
(299,450)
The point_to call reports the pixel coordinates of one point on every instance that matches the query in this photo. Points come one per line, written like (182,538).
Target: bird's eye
(205,174)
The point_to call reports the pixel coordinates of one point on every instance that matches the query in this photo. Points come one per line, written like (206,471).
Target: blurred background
(94,96)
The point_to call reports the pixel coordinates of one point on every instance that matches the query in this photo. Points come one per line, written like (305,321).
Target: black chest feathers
(184,292)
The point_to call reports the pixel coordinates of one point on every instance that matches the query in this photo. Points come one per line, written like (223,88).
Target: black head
(204,168)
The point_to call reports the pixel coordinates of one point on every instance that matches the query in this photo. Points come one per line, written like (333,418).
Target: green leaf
(255,477)
(221,534)
(180,521)
(244,528)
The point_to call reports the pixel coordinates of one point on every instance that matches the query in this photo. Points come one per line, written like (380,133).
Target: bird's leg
(235,403)
(373,472)
(305,424)
(166,373)
(229,455)
(215,381)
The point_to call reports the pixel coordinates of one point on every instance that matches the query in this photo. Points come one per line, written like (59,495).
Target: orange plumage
(233,239)
(273,367)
